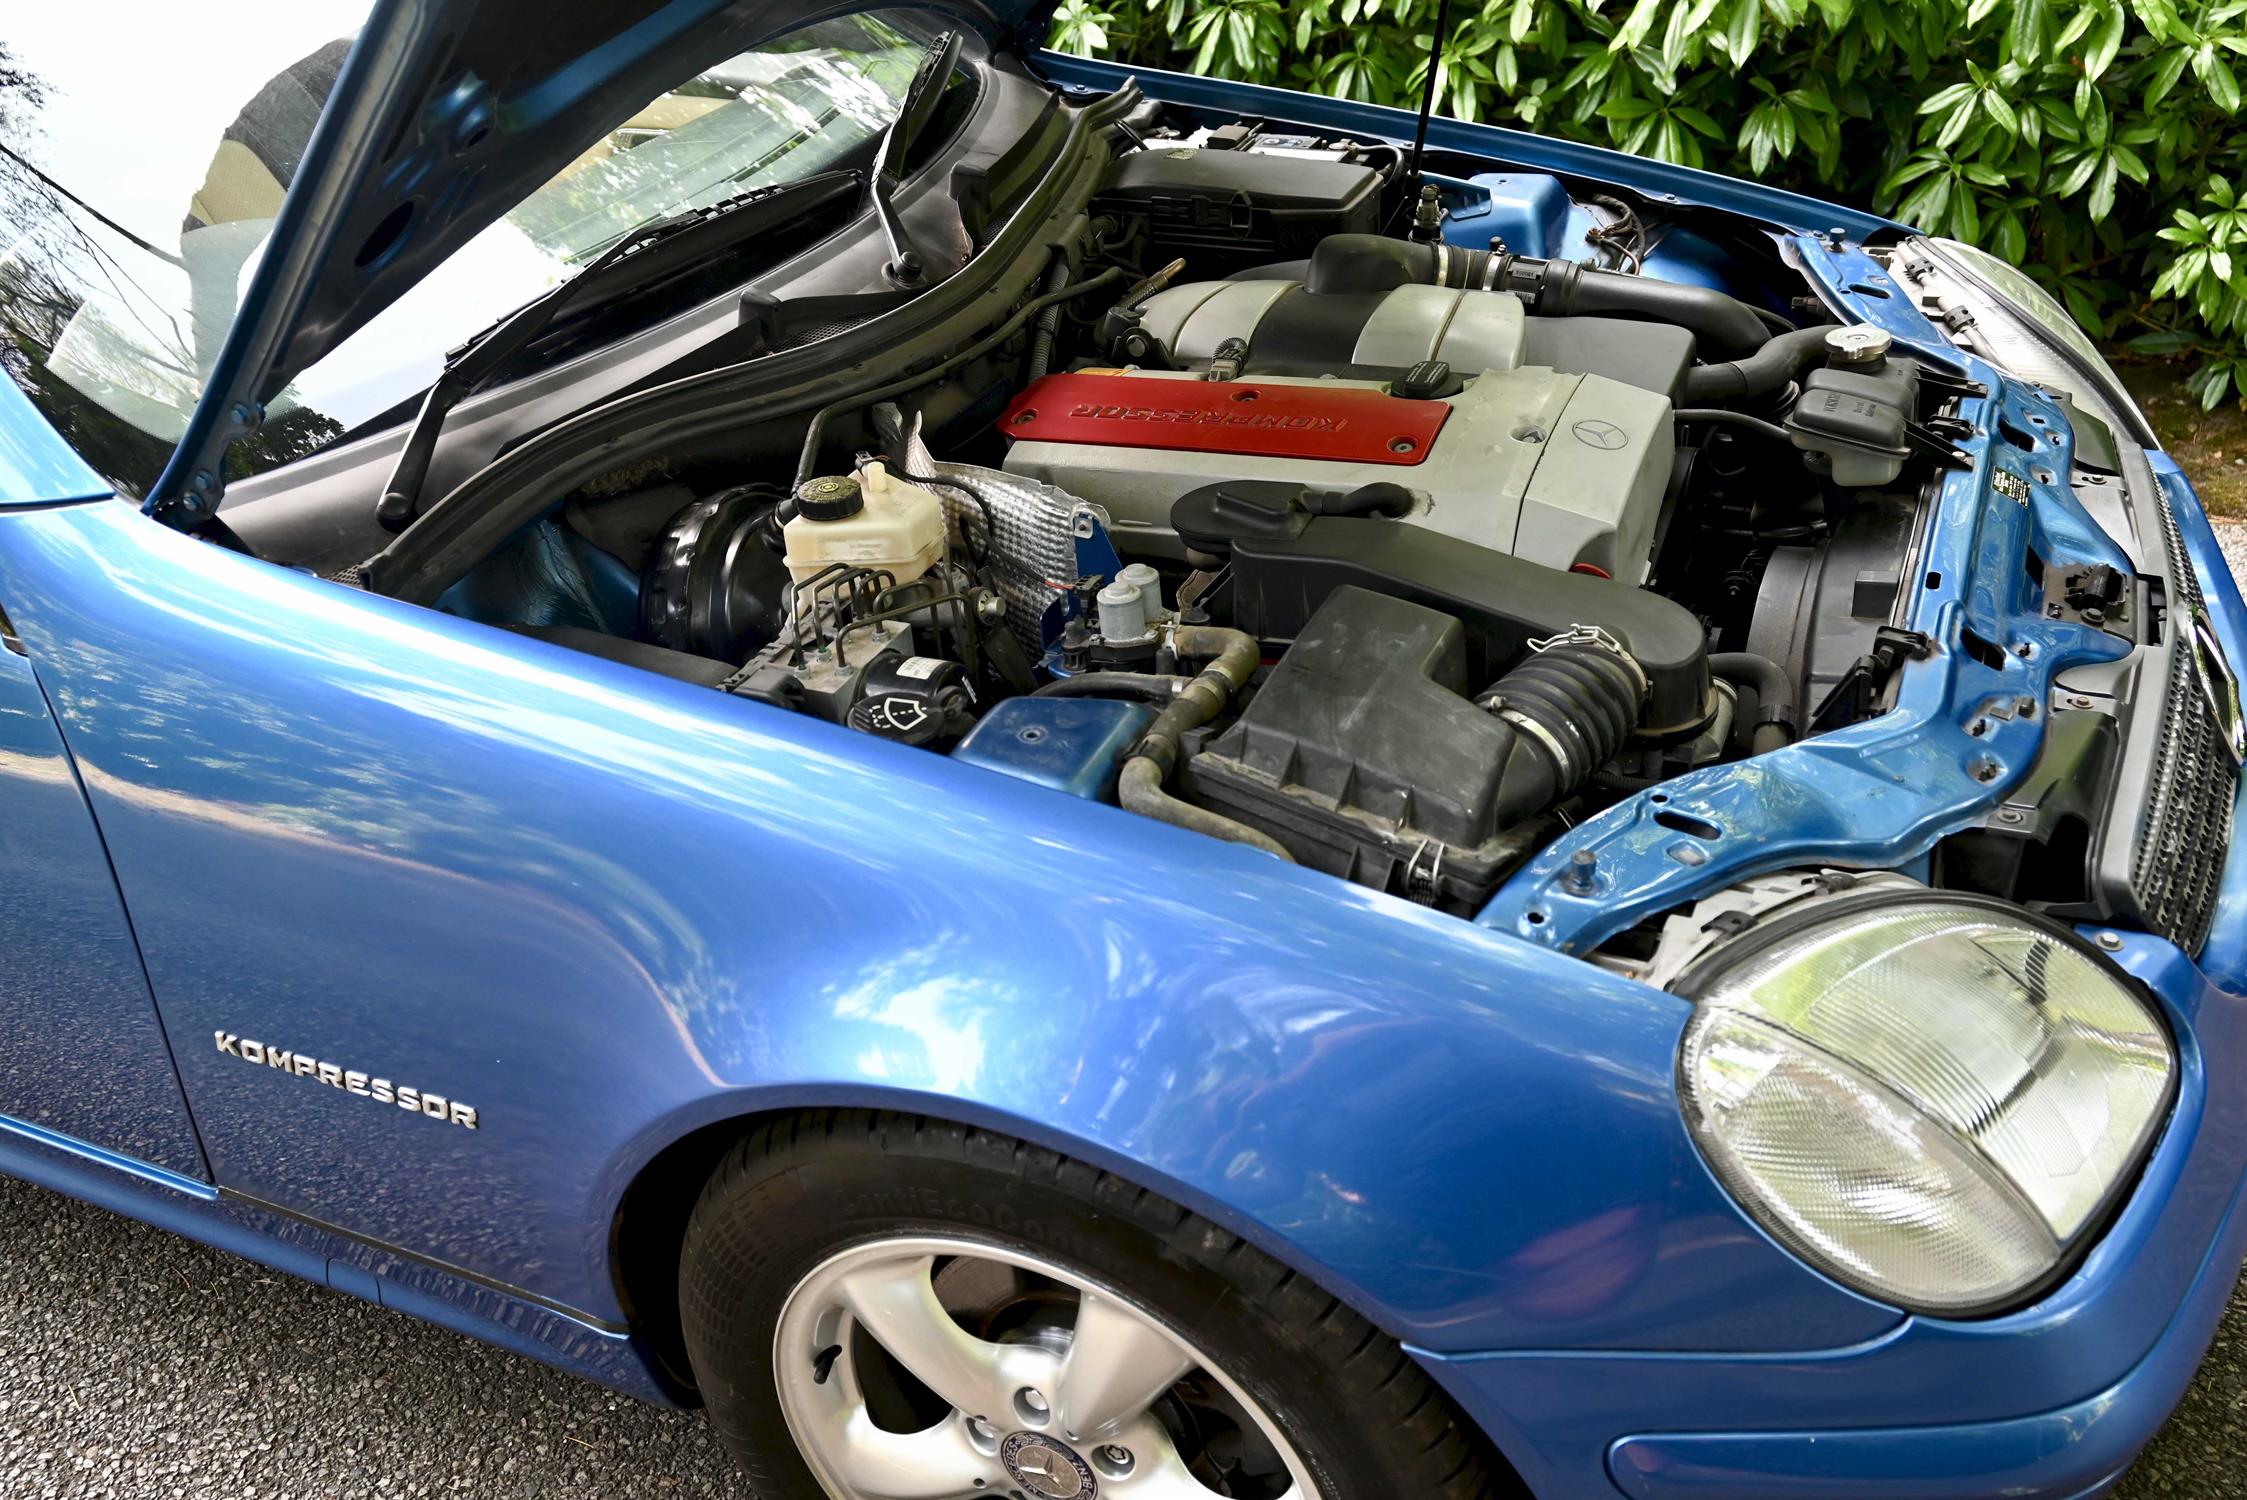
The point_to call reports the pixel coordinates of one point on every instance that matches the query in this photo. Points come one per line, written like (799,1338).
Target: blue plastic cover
(1528,210)
(1074,745)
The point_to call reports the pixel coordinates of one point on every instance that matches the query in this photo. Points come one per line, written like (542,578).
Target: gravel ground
(135,1365)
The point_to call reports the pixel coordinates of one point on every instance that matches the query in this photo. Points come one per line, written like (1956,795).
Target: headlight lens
(1928,1099)
(2016,323)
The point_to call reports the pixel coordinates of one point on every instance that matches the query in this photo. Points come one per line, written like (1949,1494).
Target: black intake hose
(1774,695)
(1576,702)
(1345,263)
(1786,356)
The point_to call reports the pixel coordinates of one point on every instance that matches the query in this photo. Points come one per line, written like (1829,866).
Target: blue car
(1056,785)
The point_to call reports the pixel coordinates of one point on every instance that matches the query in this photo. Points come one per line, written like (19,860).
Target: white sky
(139,91)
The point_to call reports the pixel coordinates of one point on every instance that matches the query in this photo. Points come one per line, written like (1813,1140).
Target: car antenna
(1415,188)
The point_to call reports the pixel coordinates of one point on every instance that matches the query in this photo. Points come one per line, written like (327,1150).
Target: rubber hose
(1554,288)
(1232,656)
(1774,695)
(1583,697)
(1149,687)
(1724,416)
(1140,788)
(1047,328)
(1562,288)
(1780,360)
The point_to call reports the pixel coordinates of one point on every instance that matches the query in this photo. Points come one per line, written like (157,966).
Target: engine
(1389,555)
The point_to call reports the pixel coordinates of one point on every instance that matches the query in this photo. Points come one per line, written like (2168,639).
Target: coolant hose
(1766,370)
(1774,695)
(1233,656)
(1553,288)
(1576,701)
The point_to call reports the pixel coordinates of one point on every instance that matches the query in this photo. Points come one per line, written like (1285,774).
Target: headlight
(2022,329)
(1931,1100)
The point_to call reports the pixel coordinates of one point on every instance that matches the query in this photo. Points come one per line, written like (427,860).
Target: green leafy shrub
(2100,144)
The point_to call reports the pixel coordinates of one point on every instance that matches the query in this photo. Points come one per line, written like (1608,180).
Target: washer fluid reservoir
(870,520)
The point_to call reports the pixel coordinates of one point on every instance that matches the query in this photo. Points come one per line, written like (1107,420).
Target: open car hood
(445,115)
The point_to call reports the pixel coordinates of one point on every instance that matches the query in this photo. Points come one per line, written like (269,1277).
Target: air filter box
(1363,755)
(1253,205)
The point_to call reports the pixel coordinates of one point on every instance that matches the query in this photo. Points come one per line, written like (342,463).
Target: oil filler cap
(831,497)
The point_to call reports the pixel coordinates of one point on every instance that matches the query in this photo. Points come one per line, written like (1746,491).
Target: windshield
(132,211)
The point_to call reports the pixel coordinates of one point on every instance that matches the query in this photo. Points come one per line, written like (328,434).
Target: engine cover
(1558,469)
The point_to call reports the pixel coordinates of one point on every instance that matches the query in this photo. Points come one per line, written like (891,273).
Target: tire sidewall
(757,1236)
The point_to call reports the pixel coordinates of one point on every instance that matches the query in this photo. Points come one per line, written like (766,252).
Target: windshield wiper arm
(922,96)
(650,253)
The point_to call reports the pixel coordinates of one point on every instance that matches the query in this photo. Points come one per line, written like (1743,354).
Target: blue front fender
(607,909)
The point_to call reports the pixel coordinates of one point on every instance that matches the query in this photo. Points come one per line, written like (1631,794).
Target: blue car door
(82,1055)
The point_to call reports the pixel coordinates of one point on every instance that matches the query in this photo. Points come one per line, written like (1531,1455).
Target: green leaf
(1911,171)
(2160,18)
(2165,74)
(2008,239)
(2105,43)
(1742,30)
(2102,189)
(2216,75)
(2024,32)
(1943,99)
(2161,342)
(2002,113)
(2078,173)
(1638,27)
(2086,312)
(2209,383)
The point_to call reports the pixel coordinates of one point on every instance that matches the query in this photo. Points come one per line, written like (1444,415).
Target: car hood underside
(445,115)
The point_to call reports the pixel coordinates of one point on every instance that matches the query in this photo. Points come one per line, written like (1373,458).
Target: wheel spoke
(1118,1363)
(897,1304)
(938,1464)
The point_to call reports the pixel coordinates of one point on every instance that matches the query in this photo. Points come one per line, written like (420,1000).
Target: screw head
(2111,941)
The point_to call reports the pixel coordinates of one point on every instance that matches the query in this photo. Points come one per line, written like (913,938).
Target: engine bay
(1390,532)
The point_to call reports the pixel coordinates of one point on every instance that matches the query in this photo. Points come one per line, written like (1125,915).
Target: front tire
(885,1307)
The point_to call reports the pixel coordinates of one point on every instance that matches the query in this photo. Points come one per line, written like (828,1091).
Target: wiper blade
(919,107)
(650,253)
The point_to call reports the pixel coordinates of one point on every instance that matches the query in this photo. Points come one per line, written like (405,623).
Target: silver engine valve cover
(1554,468)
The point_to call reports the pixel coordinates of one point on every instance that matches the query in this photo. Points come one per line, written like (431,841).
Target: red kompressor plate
(1345,424)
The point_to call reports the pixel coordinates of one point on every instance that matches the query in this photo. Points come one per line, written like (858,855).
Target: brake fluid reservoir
(870,521)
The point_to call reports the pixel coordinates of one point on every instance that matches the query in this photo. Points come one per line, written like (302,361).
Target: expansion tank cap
(1858,344)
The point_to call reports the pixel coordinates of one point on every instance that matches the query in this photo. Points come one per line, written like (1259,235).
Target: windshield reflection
(131,216)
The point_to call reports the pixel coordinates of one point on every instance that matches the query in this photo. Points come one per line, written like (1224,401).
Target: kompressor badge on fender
(350,1080)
